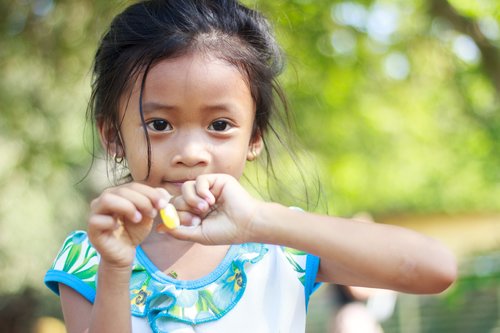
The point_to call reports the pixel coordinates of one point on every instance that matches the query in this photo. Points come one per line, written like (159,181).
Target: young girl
(182,98)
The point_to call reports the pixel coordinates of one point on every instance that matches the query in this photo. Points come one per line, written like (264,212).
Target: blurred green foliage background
(397,100)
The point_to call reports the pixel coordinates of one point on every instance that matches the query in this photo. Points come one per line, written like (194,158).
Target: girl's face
(199,115)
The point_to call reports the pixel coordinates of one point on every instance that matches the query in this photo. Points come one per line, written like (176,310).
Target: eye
(219,126)
(159,125)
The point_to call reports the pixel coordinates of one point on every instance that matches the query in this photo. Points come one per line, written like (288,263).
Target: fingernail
(153,213)
(210,200)
(195,221)
(137,217)
(162,203)
(202,205)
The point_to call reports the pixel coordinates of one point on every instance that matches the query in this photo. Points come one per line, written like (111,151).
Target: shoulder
(296,259)
(75,265)
(297,267)
(75,251)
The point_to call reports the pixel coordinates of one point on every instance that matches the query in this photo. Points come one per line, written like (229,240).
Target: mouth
(176,183)
(173,187)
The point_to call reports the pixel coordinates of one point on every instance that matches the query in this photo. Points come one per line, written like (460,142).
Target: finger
(158,196)
(112,204)
(189,215)
(193,234)
(180,204)
(147,200)
(141,201)
(101,223)
(184,218)
(165,197)
(188,219)
(203,185)
(191,198)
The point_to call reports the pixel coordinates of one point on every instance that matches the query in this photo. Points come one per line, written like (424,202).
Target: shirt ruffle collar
(161,298)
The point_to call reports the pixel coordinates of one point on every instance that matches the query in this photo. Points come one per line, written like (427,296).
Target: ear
(255,147)
(110,140)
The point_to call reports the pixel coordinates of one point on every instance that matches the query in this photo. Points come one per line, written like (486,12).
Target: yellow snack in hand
(170,217)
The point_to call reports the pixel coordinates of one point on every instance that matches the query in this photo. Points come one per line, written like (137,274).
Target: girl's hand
(214,209)
(121,218)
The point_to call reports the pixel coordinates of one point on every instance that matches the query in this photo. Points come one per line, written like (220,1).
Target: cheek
(235,161)
(136,152)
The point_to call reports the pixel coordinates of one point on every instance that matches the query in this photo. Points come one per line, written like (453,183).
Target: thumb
(189,233)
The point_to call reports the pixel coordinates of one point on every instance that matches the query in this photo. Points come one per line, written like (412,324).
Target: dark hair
(150,31)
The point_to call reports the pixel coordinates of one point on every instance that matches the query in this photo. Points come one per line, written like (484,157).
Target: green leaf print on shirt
(75,258)
(293,255)
(206,304)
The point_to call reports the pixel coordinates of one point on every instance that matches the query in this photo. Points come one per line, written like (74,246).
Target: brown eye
(219,125)
(159,125)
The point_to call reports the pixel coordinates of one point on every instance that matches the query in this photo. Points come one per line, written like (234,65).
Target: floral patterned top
(256,288)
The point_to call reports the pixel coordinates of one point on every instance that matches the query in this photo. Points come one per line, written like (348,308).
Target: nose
(191,149)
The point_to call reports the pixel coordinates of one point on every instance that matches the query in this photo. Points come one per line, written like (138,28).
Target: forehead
(193,68)
(200,75)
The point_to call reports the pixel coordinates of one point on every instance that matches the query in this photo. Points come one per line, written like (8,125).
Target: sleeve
(312,266)
(308,279)
(75,266)
(306,267)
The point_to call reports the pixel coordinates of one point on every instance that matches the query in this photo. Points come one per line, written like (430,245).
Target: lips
(177,182)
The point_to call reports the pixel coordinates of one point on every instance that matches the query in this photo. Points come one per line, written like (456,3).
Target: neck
(163,249)
(190,260)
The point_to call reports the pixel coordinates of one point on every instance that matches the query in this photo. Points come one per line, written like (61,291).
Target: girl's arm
(76,310)
(360,253)
(111,309)
(120,219)
(352,253)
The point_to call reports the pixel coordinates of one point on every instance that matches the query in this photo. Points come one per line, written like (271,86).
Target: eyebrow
(154,106)
(151,106)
